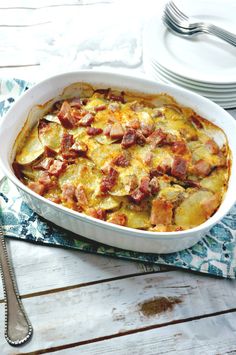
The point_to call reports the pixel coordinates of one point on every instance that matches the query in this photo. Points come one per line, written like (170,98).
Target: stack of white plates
(203,64)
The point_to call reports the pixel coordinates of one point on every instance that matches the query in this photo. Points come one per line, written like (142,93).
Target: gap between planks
(129,332)
(86,284)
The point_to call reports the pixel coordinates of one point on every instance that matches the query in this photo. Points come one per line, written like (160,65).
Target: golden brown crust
(141,161)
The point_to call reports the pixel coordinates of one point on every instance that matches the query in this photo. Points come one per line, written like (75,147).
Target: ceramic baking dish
(118,236)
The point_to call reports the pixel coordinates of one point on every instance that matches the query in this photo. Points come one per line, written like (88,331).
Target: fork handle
(18,330)
(223,34)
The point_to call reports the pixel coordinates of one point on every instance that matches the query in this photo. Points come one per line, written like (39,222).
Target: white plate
(223,94)
(204,58)
(212,88)
(157,77)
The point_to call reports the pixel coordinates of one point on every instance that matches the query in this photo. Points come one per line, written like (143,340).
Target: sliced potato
(216,182)
(126,177)
(32,148)
(80,173)
(51,136)
(173,114)
(77,90)
(137,219)
(102,139)
(110,203)
(51,118)
(101,155)
(162,157)
(171,193)
(30,173)
(94,102)
(192,211)
(201,152)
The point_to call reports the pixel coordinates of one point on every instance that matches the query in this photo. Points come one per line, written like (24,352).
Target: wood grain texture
(41,268)
(204,336)
(113,308)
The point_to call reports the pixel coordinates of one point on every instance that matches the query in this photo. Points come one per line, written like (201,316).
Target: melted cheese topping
(141,162)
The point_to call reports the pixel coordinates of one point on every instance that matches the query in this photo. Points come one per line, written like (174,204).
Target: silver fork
(18,329)
(180,23)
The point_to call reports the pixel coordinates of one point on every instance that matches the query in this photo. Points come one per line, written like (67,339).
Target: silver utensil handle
(18,329)
(223,34)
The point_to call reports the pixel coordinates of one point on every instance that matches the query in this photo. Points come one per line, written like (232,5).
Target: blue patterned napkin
(215,254)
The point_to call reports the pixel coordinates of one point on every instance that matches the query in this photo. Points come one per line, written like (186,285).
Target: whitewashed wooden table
(80,303)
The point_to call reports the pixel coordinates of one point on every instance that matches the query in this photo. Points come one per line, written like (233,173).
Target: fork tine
(171,16)
(177,11)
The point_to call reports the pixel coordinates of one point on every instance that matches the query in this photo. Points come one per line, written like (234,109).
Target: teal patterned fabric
(215,254)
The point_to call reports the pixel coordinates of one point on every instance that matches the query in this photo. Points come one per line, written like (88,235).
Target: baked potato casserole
(141,161)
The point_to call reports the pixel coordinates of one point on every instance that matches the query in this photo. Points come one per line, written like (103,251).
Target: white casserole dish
(122,237)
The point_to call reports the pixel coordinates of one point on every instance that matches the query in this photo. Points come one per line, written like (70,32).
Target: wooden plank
(40,268)
(210,336)
(118,307)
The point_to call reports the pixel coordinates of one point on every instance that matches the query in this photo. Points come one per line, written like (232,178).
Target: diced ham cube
(68,193)
(160,170)
(179,168)
(147,129)
(86,120)
(121,160)
(65,116)
(69,156)
(140,139)
(202,168)
(81,197)
(154,185)
(129,138)
(57,167)
(79,147)
(109,181)
(116,131)
(119,218)
(66,145)
(45,179)
(161,212)
(43,164)
(144,185)
(137,195)
(48,152)
(157,138)
(97,213)
(77,114)
(93,131)
(37,187)
(179,147)
(107,130)
(66,142)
